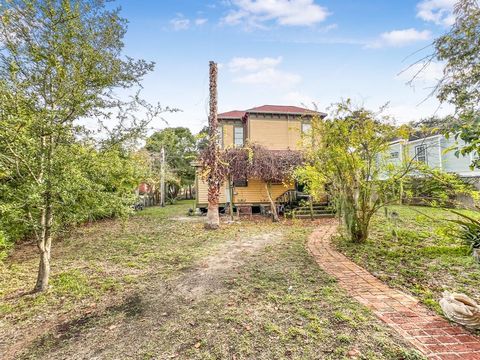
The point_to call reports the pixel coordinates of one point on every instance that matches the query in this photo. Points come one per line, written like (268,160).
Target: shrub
(4,246)
(434,187)
(469,230)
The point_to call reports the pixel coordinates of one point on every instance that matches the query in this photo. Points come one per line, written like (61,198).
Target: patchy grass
(155,288)
(424,259)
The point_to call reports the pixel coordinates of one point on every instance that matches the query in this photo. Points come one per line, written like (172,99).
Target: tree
(212,169)
(60,62)
(459,49)
(347,155)
(257,162)
(273,167)
(179,144)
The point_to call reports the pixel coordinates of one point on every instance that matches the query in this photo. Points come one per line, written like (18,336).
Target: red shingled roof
(269,109)
(281,109)
(235,114)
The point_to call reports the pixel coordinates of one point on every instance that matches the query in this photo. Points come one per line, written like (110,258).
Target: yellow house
(274,127)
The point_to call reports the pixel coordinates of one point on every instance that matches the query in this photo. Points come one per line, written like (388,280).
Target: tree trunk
(230,190)
(213,217)
(43,272)
(44,239)
(358,230)
(44,244)
(273,206)
(214,180)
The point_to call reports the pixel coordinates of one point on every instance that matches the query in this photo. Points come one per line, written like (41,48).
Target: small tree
(179,145)
(347,155)
(59,62)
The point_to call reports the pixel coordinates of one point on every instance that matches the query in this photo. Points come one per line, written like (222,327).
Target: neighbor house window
(306,127)
(421,153)
(238,135)
(394,155)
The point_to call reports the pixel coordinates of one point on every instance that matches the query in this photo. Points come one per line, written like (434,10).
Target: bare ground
(248,291)
(137,320)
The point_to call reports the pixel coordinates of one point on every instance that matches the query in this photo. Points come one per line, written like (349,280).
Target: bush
(4,246)
(433,187)
(469,230)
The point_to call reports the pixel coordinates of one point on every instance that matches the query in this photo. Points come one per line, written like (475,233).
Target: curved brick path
(429,333)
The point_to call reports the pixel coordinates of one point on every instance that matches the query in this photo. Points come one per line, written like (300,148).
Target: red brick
(449,356)
(425,330)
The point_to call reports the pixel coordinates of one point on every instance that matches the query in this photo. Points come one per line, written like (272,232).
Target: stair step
(315,216)
(314,212)
(314,208)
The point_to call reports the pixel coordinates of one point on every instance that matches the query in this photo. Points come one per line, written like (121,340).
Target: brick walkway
(431,334)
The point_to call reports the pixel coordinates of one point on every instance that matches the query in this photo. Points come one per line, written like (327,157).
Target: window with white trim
(238,135)
(421,153)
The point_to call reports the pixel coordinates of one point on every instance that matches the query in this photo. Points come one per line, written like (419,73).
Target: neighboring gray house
(433,151)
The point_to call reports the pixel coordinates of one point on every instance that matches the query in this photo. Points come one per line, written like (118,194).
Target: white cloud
(284,12)
(398,38)
(438,11)
(201,21)
(427,73)
(180,23)
(253,64)
(262,71)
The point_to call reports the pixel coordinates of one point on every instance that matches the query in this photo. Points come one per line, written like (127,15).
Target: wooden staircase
(296,204)
(316,211)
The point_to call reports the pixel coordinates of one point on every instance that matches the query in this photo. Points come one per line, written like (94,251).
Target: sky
(287,52)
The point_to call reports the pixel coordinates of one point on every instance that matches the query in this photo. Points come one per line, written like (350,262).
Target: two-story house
(274,127)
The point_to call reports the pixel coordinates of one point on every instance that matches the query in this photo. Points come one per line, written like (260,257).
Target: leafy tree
(460,86)
(179,144)
(347,155)
(202,139)
(60,62)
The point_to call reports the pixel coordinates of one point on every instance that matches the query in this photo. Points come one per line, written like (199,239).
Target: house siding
(275,132)
(433,153)
(202,193)
(451,162)
(255,193)
(227,135)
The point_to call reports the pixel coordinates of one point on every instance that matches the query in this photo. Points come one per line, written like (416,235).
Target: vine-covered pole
(214,176)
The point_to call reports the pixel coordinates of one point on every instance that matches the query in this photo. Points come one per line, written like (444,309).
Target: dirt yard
(160,287)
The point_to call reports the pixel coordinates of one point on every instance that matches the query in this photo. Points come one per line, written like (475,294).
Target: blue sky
(286,52)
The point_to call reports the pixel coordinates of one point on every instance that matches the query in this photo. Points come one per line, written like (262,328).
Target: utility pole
(162,177)
(214,177)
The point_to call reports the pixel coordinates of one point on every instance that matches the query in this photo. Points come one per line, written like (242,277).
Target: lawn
(158,286)
(424,259)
